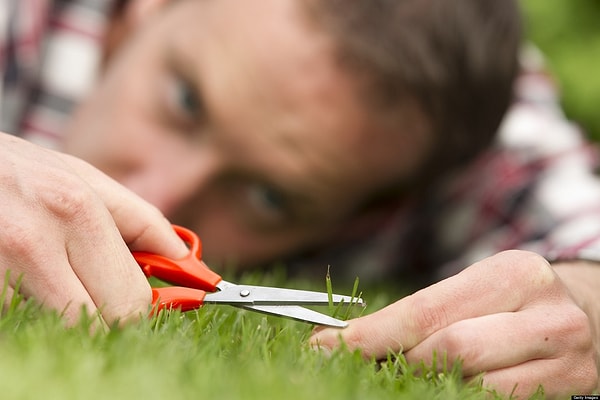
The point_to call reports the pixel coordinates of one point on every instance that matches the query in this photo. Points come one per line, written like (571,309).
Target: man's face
(233,118)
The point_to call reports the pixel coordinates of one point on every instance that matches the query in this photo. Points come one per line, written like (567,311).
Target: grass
(216,352)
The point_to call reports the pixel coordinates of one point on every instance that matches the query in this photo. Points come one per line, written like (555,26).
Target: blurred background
(568,33)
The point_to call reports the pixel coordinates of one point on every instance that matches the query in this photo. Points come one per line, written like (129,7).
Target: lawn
(217,352)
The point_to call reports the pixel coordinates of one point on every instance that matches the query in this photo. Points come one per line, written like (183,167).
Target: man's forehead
(282,75)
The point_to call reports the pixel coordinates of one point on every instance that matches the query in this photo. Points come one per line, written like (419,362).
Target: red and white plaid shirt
(534,189)
(49,57)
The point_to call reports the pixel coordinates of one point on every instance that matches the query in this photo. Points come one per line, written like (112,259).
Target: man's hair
(454,59)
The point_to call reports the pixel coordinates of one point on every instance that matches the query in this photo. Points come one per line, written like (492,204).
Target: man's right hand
(68,231)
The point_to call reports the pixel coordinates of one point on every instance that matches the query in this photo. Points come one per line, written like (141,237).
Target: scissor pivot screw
(245,293)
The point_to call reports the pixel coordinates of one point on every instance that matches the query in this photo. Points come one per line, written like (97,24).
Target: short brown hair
(456,59)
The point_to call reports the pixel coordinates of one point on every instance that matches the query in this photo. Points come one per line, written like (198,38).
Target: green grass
(568,33)
(218,352)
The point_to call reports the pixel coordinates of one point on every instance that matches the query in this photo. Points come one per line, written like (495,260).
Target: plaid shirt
(534,189)
(49,57)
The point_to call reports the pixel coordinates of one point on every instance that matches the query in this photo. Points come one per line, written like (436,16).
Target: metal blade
(264,295)
(300,314)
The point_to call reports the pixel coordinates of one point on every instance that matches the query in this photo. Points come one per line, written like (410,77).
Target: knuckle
(150,230)
(527,269)
(70,200)
(19,243)
(427,316)
(154,212)
(355,339)
(579,351)
(453,344)
(577,328)
(367,337)
(16,239)
(460,341)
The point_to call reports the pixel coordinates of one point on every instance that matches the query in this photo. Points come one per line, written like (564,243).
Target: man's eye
(269,203)
(187,99)
(184,100)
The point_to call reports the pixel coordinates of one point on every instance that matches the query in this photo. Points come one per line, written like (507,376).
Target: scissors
(199,285)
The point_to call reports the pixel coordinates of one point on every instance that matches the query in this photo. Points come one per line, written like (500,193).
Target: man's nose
(169,181)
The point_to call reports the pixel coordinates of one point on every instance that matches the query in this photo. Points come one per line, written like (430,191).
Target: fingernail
(326,351)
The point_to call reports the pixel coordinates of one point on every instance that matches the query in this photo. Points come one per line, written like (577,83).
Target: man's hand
(68,230)
(509,316)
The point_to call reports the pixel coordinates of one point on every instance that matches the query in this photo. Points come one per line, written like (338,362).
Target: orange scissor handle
(190,272)
(176,297)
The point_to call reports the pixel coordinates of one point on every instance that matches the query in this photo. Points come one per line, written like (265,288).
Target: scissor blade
(300,314)
(265,295)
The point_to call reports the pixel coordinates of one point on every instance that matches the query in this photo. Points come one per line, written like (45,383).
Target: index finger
(142,226)
(505,282)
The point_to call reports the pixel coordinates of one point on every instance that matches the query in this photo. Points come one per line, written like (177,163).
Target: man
(277,128)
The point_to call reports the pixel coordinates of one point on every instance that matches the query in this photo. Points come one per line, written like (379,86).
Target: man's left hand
(509,316)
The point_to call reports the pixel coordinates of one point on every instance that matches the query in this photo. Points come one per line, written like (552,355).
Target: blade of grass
(4,292)
(16,298)
(336,310)
(355,297)
(329,291)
